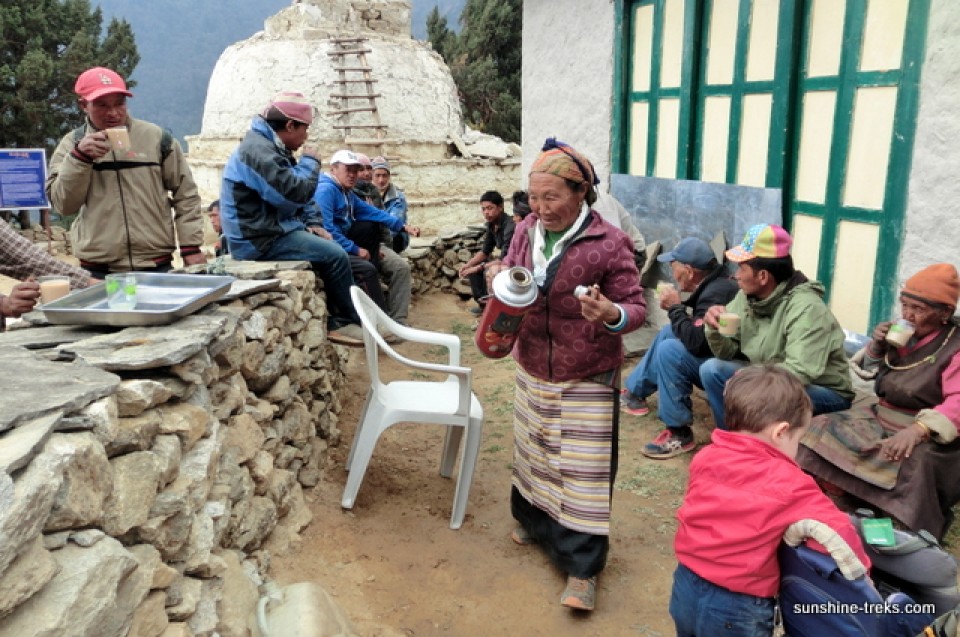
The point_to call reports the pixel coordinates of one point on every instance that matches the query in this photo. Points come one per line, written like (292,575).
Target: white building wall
(932,230)
(568,78)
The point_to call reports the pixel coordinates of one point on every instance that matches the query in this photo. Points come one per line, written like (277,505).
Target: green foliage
(44,46)
(485,60)
(441,37)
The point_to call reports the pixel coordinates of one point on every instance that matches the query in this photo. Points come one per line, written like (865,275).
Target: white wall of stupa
(442,166)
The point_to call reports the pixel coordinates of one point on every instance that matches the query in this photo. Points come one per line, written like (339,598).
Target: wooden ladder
(356,90)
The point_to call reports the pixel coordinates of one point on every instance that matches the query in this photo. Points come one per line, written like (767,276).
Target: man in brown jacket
(123,176)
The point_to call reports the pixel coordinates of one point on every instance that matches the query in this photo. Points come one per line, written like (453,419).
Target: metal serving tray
(161,299)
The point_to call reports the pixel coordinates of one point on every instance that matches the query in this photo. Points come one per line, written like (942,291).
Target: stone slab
(44,337)
(67,387)
(245,287)
(19,445)
(149,347)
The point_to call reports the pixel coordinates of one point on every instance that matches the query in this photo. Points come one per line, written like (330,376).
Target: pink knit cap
(293,105)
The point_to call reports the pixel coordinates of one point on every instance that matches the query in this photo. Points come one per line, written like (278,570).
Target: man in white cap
(123,190)
(266,203)
(357,227)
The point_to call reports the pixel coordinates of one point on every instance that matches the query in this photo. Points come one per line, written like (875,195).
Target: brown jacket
(133,193)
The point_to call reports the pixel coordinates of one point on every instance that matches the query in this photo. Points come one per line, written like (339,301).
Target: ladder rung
(356,39)
(359,126)
(364,69)
(346,81)
(359,109)
(355,97)
(350,52)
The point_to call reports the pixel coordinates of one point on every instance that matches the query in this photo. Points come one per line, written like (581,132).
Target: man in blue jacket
(672,363)
(357,227)
(266,201)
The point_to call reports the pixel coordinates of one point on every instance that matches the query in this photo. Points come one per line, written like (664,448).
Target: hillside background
(180,41)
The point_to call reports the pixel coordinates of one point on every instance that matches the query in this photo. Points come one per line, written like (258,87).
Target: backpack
(831,595)
(166,141)
(916,565)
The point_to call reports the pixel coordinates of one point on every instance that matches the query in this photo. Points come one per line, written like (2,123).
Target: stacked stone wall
(145,484)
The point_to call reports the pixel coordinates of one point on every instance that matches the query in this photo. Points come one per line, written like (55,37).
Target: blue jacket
(395,205)
(340,209)
(265,193)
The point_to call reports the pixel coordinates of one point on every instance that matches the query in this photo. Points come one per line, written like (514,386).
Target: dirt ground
(396,568)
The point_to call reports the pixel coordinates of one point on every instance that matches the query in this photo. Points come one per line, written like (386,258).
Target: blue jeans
(715,373)
(702,609)
(329,262)
(671,370)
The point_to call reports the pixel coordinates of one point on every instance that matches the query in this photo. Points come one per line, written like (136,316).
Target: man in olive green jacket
(783,320)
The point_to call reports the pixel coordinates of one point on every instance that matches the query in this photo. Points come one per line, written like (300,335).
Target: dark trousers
(367,234)
(478,286)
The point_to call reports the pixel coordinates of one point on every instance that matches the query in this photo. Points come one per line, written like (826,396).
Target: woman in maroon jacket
(569,353)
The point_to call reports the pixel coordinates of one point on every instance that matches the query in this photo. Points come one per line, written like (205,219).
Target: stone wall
(147,474)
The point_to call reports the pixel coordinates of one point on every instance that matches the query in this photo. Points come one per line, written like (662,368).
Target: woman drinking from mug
(899,451)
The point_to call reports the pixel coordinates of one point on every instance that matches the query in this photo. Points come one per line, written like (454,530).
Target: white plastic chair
(449,402)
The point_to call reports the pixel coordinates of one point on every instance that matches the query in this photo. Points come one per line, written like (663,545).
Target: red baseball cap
(99,81)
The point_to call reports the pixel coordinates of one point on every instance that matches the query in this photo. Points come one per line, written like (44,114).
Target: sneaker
(350,335)
(632,405)
(668,444)
(580,593)
(476,311)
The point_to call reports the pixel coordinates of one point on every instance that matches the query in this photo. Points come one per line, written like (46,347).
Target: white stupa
(328,50)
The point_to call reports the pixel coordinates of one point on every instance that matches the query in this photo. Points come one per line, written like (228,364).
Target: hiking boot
(580,593)
(350,335)
(476,311)
(669,444)
(632,405)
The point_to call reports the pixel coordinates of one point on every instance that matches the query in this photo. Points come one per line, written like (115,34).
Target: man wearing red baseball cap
(123,176)
(782,320)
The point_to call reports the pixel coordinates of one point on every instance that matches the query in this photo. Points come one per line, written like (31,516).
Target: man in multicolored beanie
(782,320)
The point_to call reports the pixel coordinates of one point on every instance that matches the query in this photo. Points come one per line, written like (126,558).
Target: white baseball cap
(347,157)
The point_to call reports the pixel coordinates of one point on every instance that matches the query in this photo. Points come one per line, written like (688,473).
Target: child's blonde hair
(761,395)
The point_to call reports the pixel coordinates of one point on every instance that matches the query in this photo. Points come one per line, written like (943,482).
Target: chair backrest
(372,318)
(369,314)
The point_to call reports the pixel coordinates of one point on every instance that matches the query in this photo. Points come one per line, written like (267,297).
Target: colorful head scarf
(566,162)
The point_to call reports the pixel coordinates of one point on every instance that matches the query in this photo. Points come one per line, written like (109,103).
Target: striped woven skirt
(565,450)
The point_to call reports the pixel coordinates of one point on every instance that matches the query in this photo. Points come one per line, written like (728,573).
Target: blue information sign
(23,172)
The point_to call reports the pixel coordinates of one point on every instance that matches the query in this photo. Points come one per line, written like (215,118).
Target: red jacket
(555,342)
(742,495)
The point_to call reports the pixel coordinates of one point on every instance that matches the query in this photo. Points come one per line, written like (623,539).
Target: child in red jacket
(745,489)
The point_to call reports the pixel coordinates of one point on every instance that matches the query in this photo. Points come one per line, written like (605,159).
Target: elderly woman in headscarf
(568,353)
(899,451)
